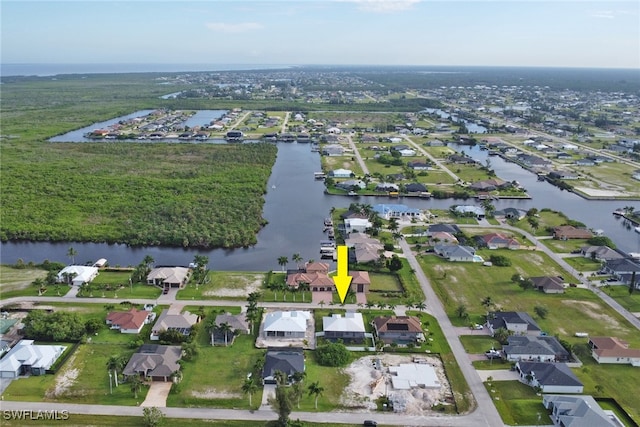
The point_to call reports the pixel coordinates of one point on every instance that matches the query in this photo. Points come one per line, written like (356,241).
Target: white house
(25,358)
(341,173)
(357,225)
(349,328)
(77,274)
(286,324)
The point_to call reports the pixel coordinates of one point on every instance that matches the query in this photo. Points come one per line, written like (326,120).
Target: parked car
(478,327)
(369,423)
(493,354)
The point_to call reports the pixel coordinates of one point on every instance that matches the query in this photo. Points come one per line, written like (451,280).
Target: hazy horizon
(430,33)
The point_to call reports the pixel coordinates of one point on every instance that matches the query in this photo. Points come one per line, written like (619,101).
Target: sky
(541,33)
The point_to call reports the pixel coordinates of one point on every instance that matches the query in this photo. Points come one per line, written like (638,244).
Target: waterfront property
(77,274)
(169,277)
(565,232)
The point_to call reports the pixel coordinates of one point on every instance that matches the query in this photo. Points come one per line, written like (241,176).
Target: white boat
(637,229)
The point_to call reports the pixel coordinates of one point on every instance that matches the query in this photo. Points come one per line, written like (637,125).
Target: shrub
(332,354)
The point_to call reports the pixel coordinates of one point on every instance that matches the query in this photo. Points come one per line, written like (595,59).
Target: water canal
(295,206)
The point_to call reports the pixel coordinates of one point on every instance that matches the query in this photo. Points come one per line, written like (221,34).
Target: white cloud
(603,14)
(240,27)
(383,5)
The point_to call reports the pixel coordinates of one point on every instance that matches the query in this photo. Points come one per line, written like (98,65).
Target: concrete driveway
(157,395)
(268,391)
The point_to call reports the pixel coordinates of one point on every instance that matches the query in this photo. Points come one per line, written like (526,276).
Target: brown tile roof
(132,319)
(313,279)
(386,323)
(360,277)
(612,347)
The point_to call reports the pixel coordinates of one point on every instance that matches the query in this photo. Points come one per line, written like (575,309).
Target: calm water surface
(295,206)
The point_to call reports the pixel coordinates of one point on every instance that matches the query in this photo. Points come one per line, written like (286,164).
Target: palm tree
(113,364)
(148,261)
(135,384)
(461,311)
(421,306)
(281,377)
(176,376)
(303,286)
(211,327)
(381,305)
(370,305)
(321,303)
(71,253)
(249,387)
(487,302)
(391,306)
(226,328)
(317,390)
(297,259)
(283,261)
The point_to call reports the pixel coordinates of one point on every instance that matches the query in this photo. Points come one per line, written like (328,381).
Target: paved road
(486,413)
(356,152)
(437,162)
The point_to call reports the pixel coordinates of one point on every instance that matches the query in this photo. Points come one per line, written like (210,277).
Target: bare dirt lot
(238,285)
(369,383)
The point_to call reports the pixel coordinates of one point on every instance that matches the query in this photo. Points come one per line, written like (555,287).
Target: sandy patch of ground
(246,286)
(64,380)
(601,193)
(534,258)
(593,310)
(368,383)
(211,393)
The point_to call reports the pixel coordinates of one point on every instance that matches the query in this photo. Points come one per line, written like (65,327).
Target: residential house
(357,225)
(407,152)
(576,411)
(387,186)
(363,249)
(600,253)
(461,160)
(550,377)
(286,324)
(613,350)
(317,279)
(470,210)
(548,284)
(27,358)
(456,252)
(517,322)
(333,150)
(388,211)
(169,277)
(565,232)
(129,322)
(77,274)
(489,184)
(448,228)
(348,328)
(534,348)
(399,329)
(533,161)
(360,281)
(497,241)
(237,323)
(155,362)
(288,360)
(510,213)
(622,269)
(415,188)
(351,185)
(585,162)
(341,173)
(560,174)
(418,165)
(169,320)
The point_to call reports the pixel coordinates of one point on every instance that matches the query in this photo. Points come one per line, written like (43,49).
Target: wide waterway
(295,206)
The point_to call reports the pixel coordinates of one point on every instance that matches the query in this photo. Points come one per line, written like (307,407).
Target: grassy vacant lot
(577,310)
(384,283)
(224,285)
(564,246)
(479,343)
(16,282)
(581,263)
(517,403)
(546,218)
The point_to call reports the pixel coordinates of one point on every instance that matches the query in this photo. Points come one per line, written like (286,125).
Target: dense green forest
(201,195)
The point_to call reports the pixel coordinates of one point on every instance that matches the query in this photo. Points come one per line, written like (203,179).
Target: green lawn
(577,310)
(517,403)
(476,344)
(581,263)
(564,246)
(16,282)
(546,218)
(384,282)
